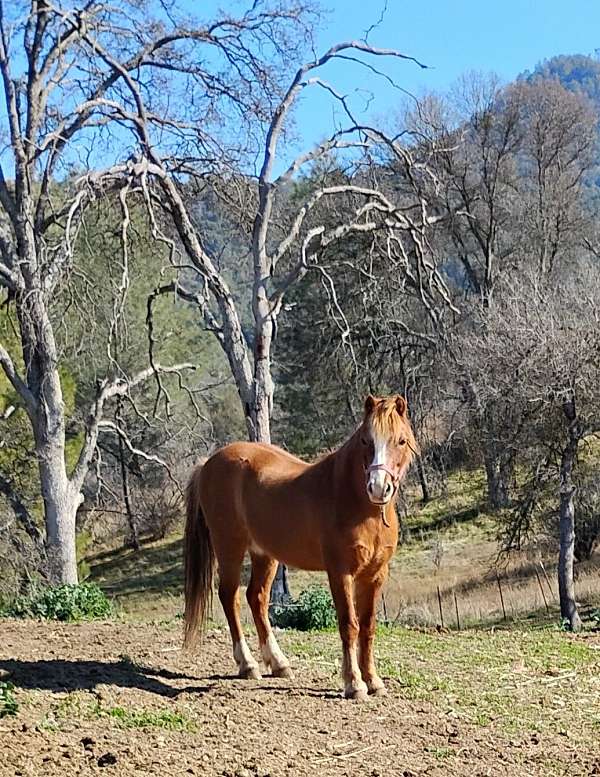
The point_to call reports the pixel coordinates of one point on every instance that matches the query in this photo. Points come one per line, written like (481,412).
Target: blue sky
(451,36)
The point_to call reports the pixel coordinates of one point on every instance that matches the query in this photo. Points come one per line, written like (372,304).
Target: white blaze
(377,477)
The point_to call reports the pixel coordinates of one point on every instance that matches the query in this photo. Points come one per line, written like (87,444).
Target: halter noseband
(395,481)
(387,470)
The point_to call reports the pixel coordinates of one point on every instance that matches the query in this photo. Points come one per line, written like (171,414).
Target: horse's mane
(386,420)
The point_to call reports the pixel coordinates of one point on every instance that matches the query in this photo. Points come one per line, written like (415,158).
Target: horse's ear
(401,405)
(370,403)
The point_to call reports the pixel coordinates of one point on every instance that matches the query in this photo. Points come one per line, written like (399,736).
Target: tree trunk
(261,428)
(133,540)
(497,487)
(60,510)
(61,499)
(426,495)
(566,558)
(280,590)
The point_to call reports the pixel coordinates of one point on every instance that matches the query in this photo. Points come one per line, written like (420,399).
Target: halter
(373,467)
(395,481)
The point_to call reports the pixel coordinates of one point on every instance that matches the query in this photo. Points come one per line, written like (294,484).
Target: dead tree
(282,245)
(538,350)
(53,84)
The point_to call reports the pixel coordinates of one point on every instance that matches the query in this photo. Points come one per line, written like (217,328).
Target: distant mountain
(576,72)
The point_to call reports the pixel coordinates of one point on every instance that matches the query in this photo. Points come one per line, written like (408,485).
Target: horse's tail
(199,563)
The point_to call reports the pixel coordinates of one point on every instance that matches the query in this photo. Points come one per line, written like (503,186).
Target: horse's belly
(285,525)
(287,543)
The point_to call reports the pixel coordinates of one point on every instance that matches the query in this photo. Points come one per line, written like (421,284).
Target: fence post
(537,574)
(440,606)
(456,608)
(501,596)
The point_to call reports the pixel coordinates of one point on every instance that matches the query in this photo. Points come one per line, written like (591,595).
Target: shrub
(8,703)
(313,610)
(84,601)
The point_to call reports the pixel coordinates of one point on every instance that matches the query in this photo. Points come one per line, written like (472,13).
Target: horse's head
(388,446)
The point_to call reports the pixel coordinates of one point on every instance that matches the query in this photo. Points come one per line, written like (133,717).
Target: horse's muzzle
(380,488)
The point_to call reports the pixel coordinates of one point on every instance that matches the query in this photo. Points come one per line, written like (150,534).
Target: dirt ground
(121,698)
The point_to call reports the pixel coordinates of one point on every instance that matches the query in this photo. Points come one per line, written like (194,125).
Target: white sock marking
(272,654)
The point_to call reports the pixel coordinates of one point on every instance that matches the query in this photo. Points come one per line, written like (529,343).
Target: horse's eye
(364,440)
(401,442)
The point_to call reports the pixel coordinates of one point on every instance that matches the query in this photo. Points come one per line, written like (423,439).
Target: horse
(337,515)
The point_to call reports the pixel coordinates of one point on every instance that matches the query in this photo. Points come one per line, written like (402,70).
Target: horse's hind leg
(229,594)
(258,594)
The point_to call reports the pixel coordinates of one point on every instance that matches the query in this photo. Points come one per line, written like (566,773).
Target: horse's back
(240,468)
(254,458)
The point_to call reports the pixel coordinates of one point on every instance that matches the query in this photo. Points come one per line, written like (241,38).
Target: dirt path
(116,698)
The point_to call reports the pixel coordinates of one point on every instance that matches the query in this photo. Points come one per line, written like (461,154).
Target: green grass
(80,705)
(441,753)
(517,680)
(462,502)
(8,703)
(142,718)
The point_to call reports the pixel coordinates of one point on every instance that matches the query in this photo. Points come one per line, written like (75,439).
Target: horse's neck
(349,477)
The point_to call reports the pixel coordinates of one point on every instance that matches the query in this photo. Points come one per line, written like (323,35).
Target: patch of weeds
(8,703)
(141,718)
(419,686)
(72,706)
(84,601)
(481,719)
(306,650)
(441,753)
(49,723)
(127,662)
(313,610)
(75,705)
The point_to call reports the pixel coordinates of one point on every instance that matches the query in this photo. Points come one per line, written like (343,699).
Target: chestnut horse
(336,515)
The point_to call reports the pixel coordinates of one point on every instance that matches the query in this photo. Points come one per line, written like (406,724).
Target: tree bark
(497,487)
(426,495)
(60,510)
(61,499)
(566,558)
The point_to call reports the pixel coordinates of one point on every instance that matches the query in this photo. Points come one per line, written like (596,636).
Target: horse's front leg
(367,593)
(342,591)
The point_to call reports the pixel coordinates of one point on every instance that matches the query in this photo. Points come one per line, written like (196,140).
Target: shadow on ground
(155,568)
(61,675)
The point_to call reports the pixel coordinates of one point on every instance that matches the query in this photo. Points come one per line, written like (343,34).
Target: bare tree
(510,164)
(55,96)
(102,83)
(538,349)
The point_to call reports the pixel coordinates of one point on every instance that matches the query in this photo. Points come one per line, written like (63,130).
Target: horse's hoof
(356,694)
(283,671)
(382,691)
(250,673)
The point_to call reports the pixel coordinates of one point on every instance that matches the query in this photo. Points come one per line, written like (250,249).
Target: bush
(84,601)
(8,703)
(313,610)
